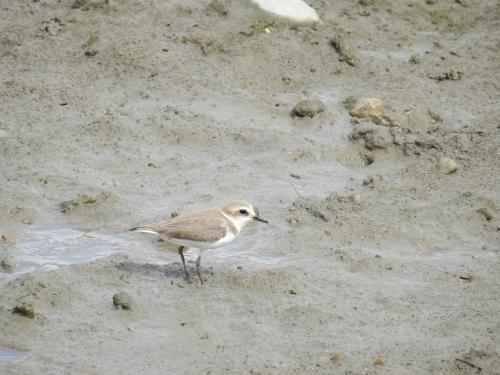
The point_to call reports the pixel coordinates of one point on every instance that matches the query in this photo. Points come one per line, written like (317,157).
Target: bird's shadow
(170,270)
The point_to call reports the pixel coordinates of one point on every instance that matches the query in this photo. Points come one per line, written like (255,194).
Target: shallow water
(8,355)
(53,246)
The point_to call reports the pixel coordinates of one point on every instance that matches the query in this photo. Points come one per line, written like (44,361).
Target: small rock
(8,264)
(447,165)
(9,239)
(123,300)
(24,309)
(308,108)
(338,357)
(485,211)
(357,199)
(464,276)
(91,52)
(370,109)
(379,361)
(4,133)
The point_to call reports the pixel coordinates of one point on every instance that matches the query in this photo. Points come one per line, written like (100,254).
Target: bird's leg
(186,274)
(198,267)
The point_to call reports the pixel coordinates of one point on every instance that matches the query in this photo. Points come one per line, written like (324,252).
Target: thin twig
(479,369)
(294,188)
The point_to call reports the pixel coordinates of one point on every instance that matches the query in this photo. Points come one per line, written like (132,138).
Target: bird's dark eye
(243,211)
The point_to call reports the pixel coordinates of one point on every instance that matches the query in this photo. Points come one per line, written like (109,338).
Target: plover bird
(207,229)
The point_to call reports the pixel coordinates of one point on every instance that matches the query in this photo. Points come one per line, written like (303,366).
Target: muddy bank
(382,255)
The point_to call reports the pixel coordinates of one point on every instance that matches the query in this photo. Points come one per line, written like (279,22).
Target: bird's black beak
(256,218)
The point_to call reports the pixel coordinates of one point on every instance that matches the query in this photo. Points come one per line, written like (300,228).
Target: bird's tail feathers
(143,230)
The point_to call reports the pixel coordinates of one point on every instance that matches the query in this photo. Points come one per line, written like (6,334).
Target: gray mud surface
(379,259)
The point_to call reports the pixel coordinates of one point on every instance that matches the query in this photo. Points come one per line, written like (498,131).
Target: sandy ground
(376,260)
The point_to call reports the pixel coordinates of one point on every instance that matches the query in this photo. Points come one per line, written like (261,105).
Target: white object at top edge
(295,10)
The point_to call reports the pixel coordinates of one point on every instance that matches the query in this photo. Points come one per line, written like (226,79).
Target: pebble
(9,239)
(8,264)
(465,276)
(4,133)
(123,300)
(308,108)
(371,109)
(338,357)
(379,361)
(447,165)
(357,199)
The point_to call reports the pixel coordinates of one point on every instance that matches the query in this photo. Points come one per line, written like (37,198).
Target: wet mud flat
(369,141)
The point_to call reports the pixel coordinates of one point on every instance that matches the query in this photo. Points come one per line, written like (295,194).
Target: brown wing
(206,226)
